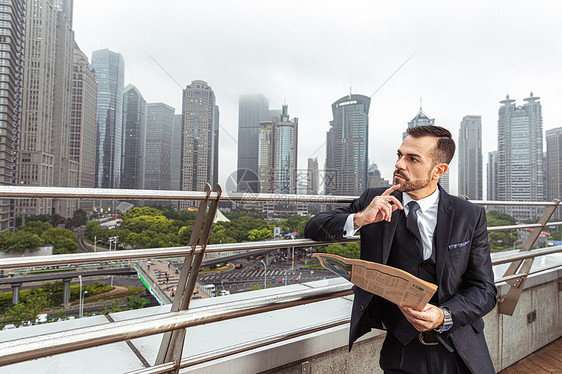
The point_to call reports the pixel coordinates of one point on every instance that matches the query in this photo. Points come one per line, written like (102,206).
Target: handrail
(29,192)
(76,258)
(80,258)
(48,344)
(30,348)
(25,349)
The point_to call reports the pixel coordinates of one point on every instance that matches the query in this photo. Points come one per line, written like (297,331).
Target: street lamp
(264,274)
(95,242)
(82,297)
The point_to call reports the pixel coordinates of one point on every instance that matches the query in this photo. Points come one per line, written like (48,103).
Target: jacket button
(361,307)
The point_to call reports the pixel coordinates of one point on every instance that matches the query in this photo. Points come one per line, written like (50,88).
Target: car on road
(238,266)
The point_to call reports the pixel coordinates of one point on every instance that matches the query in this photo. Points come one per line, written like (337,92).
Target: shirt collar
(425,203)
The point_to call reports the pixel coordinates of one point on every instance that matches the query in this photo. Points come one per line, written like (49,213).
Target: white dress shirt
(427,220)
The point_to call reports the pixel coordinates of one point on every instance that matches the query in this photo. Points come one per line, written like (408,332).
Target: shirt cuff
(348,228)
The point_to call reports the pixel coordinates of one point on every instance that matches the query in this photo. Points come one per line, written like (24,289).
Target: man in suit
(417,226)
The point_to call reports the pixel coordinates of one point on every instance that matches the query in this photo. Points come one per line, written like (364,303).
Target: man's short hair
(445,149)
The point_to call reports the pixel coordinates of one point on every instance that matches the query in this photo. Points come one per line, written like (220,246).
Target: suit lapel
(442,234)
(389,229)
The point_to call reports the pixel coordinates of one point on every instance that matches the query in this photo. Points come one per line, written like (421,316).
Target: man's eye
(413,159)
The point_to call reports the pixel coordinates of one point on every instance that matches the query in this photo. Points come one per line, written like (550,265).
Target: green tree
(255,234)
(142,211)
(37,227)
(349,250)
(19,241)
(79,218)
(63,240)
(26,311)
(495,218)
(294,223)
(136,302)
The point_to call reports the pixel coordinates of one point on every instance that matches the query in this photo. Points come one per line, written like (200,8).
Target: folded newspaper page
(393,284)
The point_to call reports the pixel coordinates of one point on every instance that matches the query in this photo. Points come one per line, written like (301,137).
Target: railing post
(509,302)
(172,343)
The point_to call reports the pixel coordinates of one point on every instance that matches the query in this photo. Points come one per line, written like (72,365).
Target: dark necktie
(412,224)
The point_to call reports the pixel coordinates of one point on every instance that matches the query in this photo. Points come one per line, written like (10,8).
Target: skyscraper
(374,177)
(422,119)
(198,153)
(312,177)
(12,42)
(554,167)
(492,176)
(347,147)
(37,158)
(277,159)
(159,128)
(520,155)
(65,170)
(134,138)
(175,161)
(252,110)
(470,157)
(109,67)
(83,124)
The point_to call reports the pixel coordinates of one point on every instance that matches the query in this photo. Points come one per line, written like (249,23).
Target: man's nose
(400,163)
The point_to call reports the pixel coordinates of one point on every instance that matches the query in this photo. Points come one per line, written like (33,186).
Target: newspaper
(393,284)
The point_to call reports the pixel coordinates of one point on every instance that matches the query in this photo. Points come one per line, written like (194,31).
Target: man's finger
(391,190)
(396,202)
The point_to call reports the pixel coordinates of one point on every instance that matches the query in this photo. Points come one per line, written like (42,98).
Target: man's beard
(408,185)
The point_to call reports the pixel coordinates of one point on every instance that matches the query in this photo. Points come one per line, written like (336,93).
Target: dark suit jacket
(464,269)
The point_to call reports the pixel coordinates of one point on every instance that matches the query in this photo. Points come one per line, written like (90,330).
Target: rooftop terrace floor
(546,360)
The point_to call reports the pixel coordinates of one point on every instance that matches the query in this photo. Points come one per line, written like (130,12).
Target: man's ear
(438,171)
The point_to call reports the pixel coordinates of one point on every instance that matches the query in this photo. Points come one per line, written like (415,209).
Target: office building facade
(520,156)
(198,132)
(175,154)
(470,157)
(374,177)
(277,158)
(312,177)
(159,128)
(492,174)
(346,159)
(252,110)
(36,158)
(554,167)
(110,70)
(134,139)
(12,42)
(83,123)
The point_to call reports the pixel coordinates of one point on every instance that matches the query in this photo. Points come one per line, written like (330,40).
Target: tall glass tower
(134,125)
(110,72)
(252,110)
(278,154)
(346,161)
(520,155)
(470,157)
(159,128)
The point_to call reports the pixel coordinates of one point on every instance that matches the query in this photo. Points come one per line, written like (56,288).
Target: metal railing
(169,360)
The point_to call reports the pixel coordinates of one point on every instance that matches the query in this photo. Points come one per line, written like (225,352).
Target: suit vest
(405,255)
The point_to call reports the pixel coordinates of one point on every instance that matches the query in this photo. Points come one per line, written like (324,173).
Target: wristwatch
(447,321)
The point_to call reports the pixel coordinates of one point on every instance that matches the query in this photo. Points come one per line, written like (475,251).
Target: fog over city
(465,58)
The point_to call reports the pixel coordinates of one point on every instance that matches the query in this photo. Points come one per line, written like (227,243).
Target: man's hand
(431,317)
(379,209)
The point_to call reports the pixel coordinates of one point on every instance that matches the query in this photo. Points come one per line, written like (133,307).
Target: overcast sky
(466,57)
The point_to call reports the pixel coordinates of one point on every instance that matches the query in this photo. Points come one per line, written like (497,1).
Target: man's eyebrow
(409,154)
